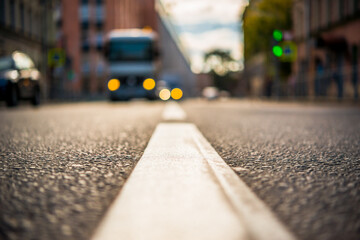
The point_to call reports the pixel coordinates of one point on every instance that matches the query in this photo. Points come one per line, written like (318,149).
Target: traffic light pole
(276,72)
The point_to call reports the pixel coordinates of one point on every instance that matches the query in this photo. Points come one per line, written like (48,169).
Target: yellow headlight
(113,84)
(149,84)
(176,93)
(164,94)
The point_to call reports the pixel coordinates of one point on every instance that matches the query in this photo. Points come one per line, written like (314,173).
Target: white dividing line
(182,189)
(173,112)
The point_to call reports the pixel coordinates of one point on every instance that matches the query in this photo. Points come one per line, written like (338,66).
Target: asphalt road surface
(302,161)
(62,165)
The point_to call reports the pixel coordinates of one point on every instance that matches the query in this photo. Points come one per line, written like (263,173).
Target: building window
(316,15)
(356,5)
(341,9)
(85,67)
(22,17)
(328,12)
(37,26)
(85,40)
(84,15)
(99,10)
(99,40)
(30,22)
(58,15)
(2,12)
(317,12)
(313,15)
(324,13)
(355,56)
(12,14)
(34,25)
(355,73)
(86,84)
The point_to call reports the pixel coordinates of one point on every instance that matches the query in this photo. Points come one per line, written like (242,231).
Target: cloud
(196,11)
(203,25)
(198,44)
(222,38)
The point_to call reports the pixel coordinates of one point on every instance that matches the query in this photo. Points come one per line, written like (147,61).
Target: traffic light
(277,49)
(277,35)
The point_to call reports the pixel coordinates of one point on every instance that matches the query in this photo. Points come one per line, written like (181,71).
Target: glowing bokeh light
(176,93)
(277,35)
(277,50)
(164,94)
(149,84)
(113,84)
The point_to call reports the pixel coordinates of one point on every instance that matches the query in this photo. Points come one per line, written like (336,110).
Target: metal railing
(324,84)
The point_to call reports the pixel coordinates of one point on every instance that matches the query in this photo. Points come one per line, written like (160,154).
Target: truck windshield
(120,50)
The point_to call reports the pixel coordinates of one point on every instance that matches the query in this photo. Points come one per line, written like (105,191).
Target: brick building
(82,25)
(327,33)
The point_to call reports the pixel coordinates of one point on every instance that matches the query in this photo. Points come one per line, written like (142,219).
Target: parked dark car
(19,79)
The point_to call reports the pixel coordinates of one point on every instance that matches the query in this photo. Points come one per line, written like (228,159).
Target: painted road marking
(182,189)
(173,112)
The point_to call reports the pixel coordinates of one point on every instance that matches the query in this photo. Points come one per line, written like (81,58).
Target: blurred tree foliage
(220,64)
(260,19)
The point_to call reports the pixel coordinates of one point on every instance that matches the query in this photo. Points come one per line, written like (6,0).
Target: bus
(132,55)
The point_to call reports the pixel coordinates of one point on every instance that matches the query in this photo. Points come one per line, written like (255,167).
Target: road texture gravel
(62,165)
(303,161)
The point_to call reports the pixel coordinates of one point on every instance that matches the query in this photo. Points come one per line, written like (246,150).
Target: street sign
(56,57)
(289,51)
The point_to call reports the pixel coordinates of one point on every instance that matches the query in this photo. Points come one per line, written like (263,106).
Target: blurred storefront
(28,26)
(327,34)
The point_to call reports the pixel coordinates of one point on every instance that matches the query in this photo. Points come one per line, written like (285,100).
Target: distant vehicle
(19,79)
(132,55)
(210,93)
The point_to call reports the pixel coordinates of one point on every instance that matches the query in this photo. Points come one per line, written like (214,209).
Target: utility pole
(277,52)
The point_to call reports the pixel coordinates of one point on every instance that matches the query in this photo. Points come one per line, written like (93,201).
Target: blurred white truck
(132,55)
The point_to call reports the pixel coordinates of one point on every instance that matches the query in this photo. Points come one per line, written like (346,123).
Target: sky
(203,25)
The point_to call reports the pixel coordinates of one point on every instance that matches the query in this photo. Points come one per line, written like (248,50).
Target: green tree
(221,64)
(260,19)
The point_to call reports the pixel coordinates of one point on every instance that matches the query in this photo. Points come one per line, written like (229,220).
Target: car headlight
(35,75)
(12,74)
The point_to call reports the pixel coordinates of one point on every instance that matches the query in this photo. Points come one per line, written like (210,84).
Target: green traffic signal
(277,50)
(277,35)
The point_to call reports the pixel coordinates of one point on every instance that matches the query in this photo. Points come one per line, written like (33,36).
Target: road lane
(61,165)
(182,189)
(173,112)
(302,161)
